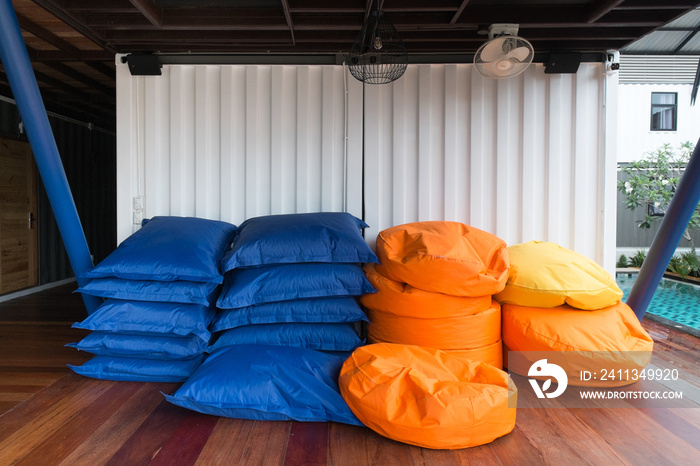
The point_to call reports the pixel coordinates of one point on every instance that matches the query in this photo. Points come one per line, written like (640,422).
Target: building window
(664,111)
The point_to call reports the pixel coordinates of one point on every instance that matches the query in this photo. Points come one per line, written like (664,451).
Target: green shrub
(693,262)
(687,264)
(622,262)
(638,259)
(677,266)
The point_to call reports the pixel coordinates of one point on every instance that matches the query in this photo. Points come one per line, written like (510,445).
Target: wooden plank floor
(52,416)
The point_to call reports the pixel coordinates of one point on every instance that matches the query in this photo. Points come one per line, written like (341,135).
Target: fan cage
(377,62)
(509,44)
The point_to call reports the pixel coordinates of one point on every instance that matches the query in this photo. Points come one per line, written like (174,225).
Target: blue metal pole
(25,89)
(667,238)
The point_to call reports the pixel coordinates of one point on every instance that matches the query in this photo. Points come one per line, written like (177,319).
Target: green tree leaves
(652,182)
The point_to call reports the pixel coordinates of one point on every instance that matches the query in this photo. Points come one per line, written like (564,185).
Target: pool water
(673,300)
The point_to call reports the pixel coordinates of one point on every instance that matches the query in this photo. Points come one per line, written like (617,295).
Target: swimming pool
(673,300)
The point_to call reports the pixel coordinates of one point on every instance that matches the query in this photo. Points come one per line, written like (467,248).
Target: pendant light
(378,55)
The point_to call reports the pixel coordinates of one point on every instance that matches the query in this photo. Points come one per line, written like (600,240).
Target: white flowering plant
(652,182)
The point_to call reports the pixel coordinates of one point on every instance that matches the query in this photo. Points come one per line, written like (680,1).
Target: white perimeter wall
(523,158)
(634,137)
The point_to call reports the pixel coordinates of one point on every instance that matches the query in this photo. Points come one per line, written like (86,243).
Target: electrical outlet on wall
(138,210)
(138,203)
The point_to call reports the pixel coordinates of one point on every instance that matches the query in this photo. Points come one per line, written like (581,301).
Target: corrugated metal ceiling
(679,37)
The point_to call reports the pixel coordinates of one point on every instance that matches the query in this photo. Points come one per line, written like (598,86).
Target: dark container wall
(89,159)
(9,120)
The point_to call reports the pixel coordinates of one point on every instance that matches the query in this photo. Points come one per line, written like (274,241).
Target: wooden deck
(52,416)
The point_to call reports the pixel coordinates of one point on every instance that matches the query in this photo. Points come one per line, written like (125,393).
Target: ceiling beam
(81,78)
(107,6)
(152,12)
(171,38)
(60,85)
(48,36)
(75,22)
(53,102)
(85,56)
(600,8)
(550,16)
(182,20)
(73,52)
(324,6)
(308,36)
(101,68)
(439,36)
(155,37)
(417,46)
(459,11)
(288,18)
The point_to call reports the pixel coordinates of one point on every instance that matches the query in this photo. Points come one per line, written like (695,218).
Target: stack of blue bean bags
(287,320)
(161,286)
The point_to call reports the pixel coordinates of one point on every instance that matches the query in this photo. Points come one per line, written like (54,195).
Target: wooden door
(18,233)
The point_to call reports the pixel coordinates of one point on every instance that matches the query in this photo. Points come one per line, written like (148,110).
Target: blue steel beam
(676,220)
(25,89)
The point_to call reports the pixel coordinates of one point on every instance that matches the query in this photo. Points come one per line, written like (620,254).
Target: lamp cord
(363,157)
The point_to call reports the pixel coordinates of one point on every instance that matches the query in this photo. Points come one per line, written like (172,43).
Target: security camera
(612,60)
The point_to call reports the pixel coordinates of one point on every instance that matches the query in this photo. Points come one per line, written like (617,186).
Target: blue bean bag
(267,383)
(141,346)
(320,336)
(138,369)
(139,317)
(168,249)
(185,292)
(295,238)
(316,310)
(245,287)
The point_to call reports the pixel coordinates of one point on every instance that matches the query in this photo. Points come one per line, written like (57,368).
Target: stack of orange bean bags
(432,376)
(557,300)
(434,289)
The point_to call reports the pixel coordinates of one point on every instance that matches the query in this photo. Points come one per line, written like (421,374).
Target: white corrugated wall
(523,158)
(233,142)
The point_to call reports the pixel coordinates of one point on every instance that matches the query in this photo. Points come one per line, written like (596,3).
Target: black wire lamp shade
(378,55)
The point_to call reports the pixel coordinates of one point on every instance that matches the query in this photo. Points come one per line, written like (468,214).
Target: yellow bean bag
(548,275)
(427,397)
(401,299)
(491,354)
(457,332)
(444,257)
(605,339)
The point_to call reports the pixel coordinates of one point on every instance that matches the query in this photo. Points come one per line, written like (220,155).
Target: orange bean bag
(444,257)
(401,299)
(491,354)
(456,332)
(427,397)
(605,339)
(548,275)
